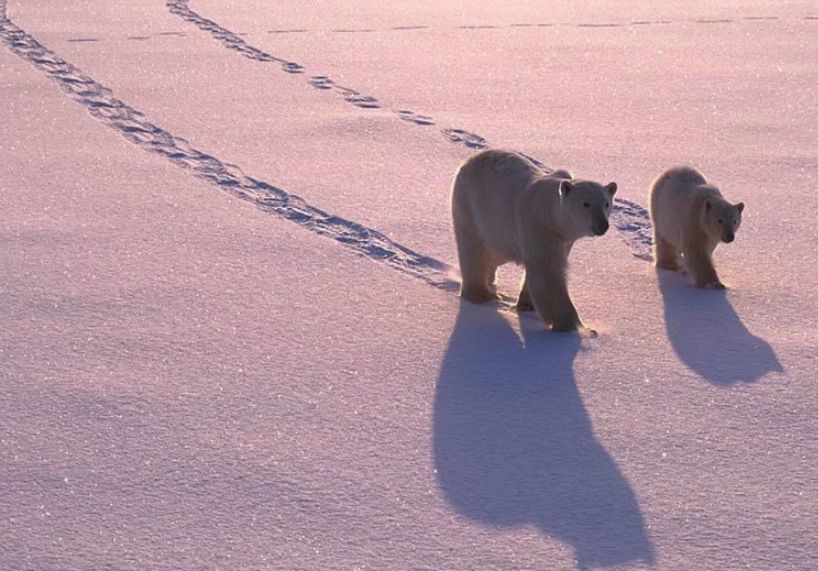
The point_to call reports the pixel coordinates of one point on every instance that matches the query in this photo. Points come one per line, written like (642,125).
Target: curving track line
(229,39)
(629,218)
(136,128)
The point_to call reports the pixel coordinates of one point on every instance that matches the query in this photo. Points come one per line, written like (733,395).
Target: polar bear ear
(740,207)
(566,187)
(611,188)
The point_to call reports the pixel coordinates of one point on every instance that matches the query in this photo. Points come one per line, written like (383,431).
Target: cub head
(588,205)
(722,219)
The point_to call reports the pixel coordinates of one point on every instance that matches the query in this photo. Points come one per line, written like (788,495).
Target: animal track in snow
(232,41)
(458,136)
(599,25)
(629,218)
(357,99)
(412,117)
(227,38)
(136,128)
(321,82)
(632,221)
(350,95)
(352,30)
(469,139)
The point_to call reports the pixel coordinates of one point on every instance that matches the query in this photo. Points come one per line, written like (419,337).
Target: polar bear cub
(690,218)
(505,209)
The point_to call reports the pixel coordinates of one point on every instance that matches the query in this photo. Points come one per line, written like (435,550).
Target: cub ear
(611,188)
(740,207)
(707,206)
(566,186)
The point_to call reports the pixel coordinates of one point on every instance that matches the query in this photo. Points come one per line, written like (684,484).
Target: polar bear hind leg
(524,302)
(477,270)
(665,253)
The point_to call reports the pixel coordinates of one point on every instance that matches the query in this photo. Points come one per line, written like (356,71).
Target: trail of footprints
(628,218)
(134,126)
(618,24)
(350,95)
(203,23)
(413,117)
(229,39)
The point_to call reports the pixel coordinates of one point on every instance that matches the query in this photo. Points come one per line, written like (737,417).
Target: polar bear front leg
(524,302)
(700,264)
(548,290)
(549,294)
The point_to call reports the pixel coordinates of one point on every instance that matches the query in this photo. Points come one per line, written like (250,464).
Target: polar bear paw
(478,295)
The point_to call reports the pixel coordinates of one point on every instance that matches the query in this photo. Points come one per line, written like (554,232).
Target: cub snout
(727,238)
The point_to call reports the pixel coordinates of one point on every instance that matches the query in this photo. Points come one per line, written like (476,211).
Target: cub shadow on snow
(709,337)
(513,444)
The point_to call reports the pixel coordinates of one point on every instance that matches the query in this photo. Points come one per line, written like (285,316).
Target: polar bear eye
(721,221)
(607,204)
(586,204)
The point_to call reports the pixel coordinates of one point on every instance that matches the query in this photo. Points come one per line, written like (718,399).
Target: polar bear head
(587,205)
(721,219)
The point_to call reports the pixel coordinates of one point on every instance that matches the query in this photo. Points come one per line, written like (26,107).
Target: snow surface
(242,349)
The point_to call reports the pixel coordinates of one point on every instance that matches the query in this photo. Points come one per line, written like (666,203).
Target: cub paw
(713,285)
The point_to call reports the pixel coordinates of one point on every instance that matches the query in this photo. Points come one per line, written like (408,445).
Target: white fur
(690,218)
(505,209)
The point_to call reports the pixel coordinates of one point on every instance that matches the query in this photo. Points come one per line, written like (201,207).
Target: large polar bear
(690,218)
(505,209)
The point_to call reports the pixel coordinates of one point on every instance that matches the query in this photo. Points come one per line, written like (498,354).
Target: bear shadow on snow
(513,443)
(709,337)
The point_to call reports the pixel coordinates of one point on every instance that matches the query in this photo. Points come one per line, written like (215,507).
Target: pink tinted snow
(189,381)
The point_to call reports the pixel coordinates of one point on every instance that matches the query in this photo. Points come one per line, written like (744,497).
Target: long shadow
(513,443)
(708,335)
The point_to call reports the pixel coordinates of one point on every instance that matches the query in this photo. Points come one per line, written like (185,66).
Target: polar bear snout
(728,237)
(600,227)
